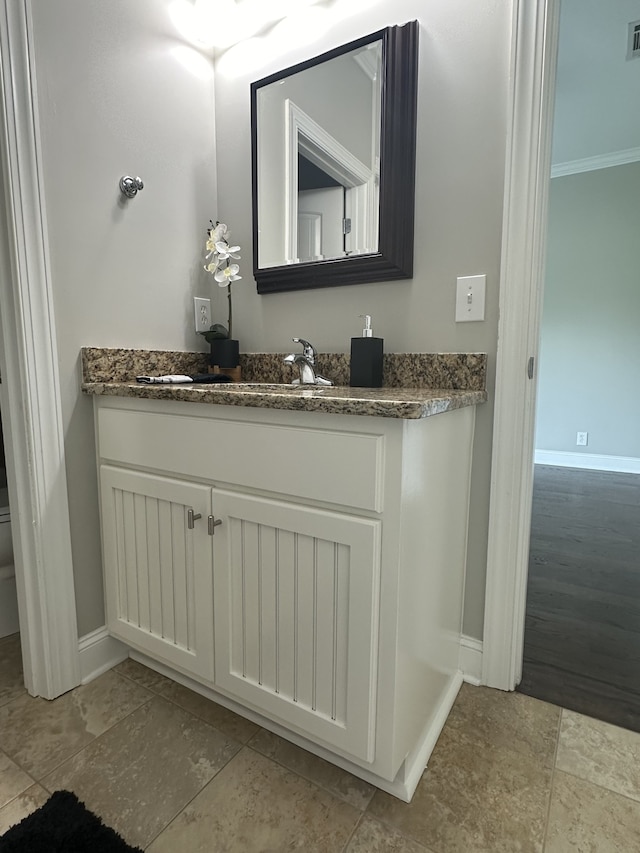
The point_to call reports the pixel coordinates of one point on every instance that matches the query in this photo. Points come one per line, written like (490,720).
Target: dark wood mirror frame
(394,258)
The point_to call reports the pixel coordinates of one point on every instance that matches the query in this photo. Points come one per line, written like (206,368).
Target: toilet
(8,598)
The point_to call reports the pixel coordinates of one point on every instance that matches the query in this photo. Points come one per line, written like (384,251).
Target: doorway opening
(523,265)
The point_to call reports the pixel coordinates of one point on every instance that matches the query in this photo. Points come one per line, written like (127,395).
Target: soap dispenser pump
(366,358)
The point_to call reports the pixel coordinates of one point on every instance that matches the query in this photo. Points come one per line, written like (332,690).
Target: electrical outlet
(582,439)
(202,309)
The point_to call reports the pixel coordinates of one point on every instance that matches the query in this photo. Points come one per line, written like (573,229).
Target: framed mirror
(333,165)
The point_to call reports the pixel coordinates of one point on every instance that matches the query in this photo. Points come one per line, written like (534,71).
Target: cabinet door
(158,571)
(296,616)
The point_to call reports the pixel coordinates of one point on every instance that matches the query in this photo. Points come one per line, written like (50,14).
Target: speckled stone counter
(416,385)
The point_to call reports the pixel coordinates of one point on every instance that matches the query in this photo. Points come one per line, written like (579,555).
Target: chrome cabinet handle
(212,524)
(192,517)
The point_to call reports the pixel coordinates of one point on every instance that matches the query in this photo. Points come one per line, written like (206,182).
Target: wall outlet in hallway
(202,308)
(582,439)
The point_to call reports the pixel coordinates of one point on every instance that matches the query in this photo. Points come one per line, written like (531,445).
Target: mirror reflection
(318,160)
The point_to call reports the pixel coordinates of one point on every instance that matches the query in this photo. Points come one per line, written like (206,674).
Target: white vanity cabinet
(307,568)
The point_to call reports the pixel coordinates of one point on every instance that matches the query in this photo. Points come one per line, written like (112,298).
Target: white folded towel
(172,378)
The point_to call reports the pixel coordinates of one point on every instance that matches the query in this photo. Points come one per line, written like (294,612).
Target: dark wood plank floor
(582,629)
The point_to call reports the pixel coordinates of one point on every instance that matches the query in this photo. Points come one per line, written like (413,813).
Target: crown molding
(600,161)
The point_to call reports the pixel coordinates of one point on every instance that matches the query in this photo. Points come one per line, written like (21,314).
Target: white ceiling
(598,89)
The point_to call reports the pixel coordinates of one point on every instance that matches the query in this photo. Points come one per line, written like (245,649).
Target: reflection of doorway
(320,218)
(310,146)
(321,213)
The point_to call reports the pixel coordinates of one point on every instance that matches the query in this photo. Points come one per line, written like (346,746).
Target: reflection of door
(320,214)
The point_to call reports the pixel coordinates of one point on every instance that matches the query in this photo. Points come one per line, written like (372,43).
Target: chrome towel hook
(129,186)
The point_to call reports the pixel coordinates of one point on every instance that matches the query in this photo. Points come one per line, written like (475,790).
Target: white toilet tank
(9,623)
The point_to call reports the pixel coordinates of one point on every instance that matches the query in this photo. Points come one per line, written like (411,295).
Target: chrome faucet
(306,362)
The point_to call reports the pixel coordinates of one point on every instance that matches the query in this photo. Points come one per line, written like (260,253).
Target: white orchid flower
(211,268)
(225,276)
(224,251)
(219,232)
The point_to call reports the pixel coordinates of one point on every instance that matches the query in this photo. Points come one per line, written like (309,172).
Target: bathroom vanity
(295,554)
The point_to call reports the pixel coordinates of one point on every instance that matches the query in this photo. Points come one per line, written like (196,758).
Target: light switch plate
(470,296)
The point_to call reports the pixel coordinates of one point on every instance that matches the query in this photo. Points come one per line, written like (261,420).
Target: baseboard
(471,660)
(591,461)
(99,652)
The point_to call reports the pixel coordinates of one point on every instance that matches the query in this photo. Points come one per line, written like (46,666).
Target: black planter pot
(225,352)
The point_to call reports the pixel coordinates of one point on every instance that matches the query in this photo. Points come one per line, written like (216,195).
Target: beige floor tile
(335,780)
(600,753)
(216,715)
(22,806)
(473,797)
(11,677)
(13,780)
(587,819)
(372,837)
(256,806)
(39,734)
(142,675)
(145,769)
(509,720)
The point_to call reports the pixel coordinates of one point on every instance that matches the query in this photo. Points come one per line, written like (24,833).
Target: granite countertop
(110,372)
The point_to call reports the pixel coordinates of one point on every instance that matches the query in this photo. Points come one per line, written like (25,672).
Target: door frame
(32,416)
(533,69)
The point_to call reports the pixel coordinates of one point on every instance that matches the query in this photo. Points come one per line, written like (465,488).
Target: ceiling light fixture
(223,23)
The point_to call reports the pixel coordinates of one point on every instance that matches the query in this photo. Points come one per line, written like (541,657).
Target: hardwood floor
(582,628)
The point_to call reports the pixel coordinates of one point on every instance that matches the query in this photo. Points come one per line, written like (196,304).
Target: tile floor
(172,771)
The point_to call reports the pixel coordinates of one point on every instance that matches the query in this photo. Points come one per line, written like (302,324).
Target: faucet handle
(308,350)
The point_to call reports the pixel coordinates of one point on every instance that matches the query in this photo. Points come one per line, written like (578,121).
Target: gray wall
(118,100)
(464,64)
(590,345)
(114,99)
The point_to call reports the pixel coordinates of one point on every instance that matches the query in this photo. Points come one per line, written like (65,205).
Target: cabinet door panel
(296,616)
(158,572)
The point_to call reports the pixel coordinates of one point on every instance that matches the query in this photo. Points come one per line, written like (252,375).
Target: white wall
(464,58)
(590,344)
(114,99)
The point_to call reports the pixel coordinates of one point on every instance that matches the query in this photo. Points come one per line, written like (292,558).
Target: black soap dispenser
(366,358)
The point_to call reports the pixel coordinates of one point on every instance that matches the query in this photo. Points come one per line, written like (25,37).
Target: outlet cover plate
(202,313)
